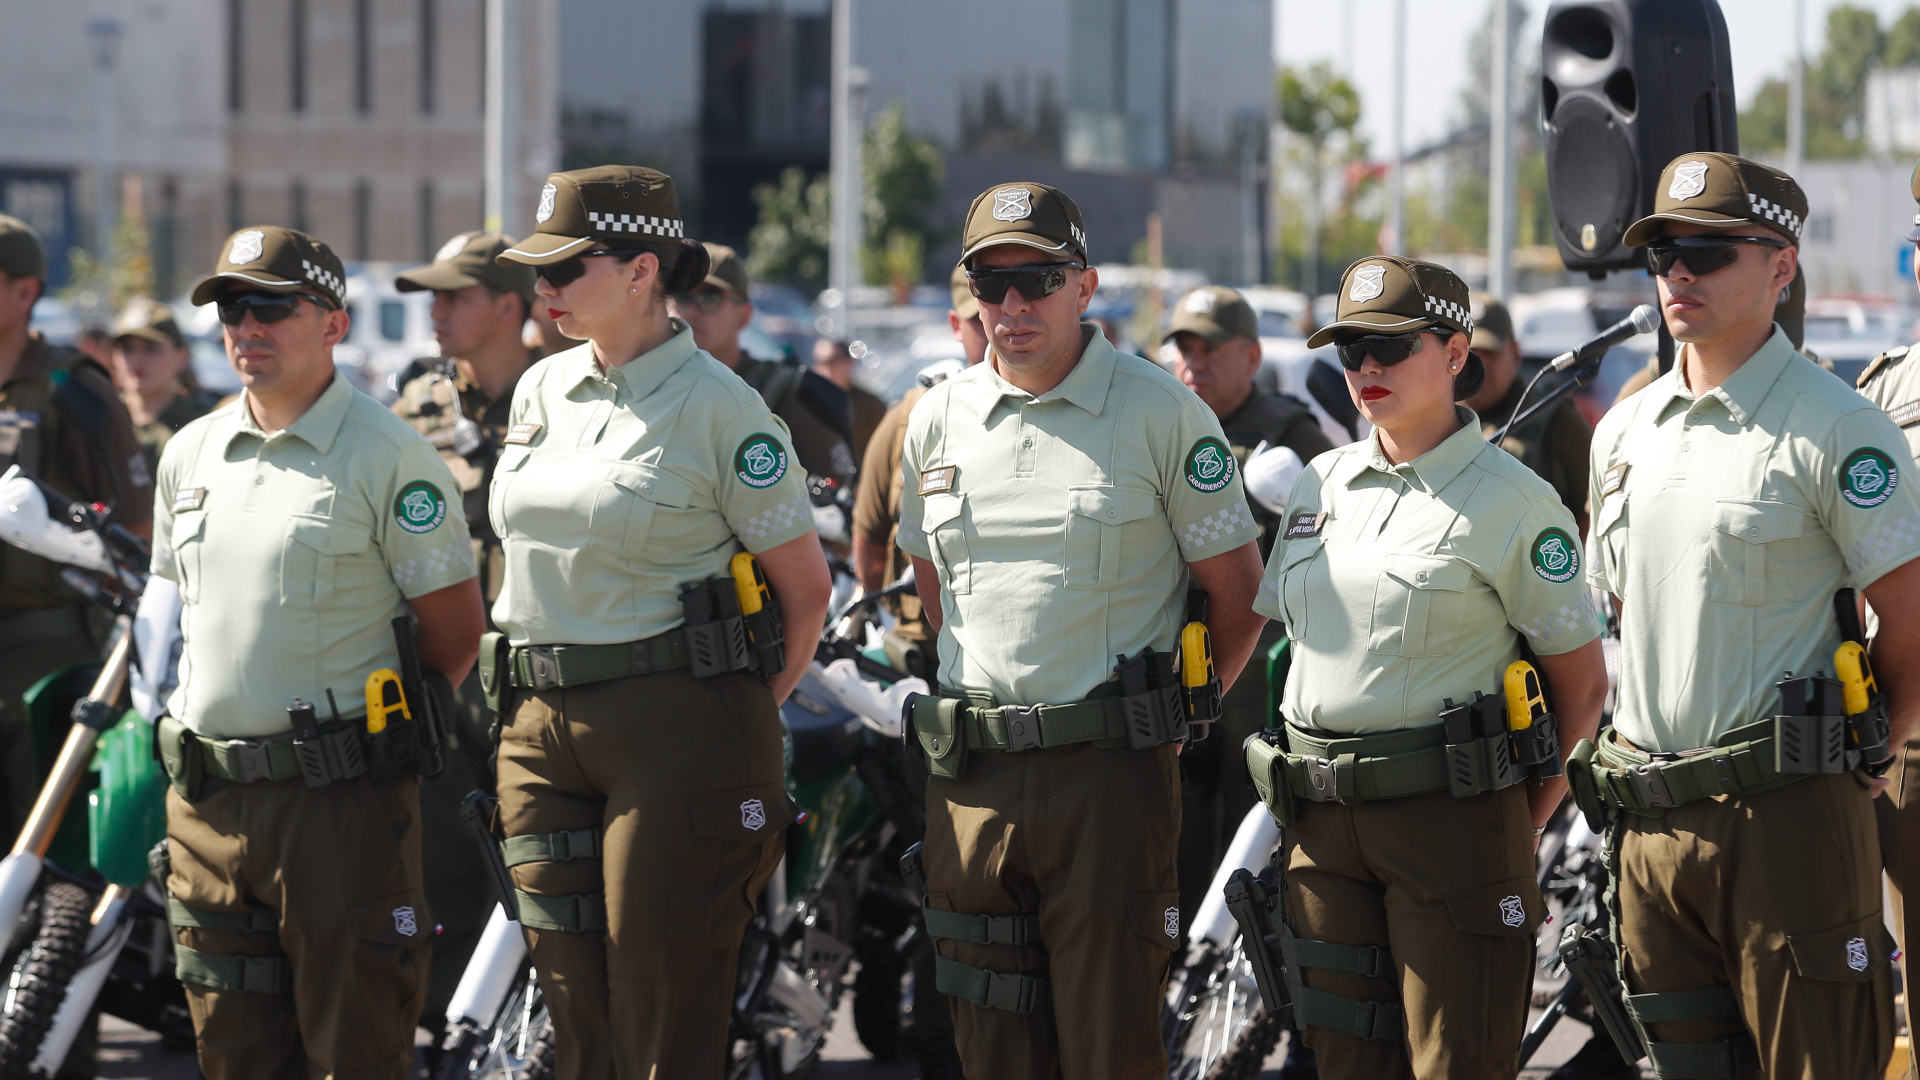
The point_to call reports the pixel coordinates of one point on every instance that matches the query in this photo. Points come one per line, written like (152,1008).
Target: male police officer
(1736,495)
(1554,445)
(1218,336)
(300,522)
(1059,499)
(61,422)
(479,310)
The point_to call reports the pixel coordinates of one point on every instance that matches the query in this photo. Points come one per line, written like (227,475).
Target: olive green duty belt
(950,728)
(189,756)
(1742,761)
(550,667)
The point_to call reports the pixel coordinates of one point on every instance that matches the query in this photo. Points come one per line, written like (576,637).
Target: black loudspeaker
(1625,87)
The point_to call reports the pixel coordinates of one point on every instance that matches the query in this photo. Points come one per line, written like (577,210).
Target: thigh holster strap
(233,974)
(983,929)
(563,846)
(1368,960)
(580,913)
(179,914)
(1349,1016)
(1718,1060)
(993,989)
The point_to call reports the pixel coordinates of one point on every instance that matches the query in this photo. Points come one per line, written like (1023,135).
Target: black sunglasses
(1702,254)
(265,307)
(1034,282)
(1389,349)
(567,271)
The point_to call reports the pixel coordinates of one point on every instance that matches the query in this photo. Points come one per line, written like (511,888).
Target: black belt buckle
(251,759)
(1650,785)
(1023,727)
(543,666)
(1323,779)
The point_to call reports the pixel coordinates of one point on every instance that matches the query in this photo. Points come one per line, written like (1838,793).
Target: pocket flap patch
(1759,522)
(1851,953)
(1509,909)
(1429,572)
(748,815)
(1110,505)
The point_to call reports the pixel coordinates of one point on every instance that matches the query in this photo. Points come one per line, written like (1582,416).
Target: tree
(1320,107)
(902,175)
(789,241)
(1836,84)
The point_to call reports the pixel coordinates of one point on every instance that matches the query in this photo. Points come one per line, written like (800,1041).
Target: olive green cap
(149,319)
(728,271)
(1216,313)
(1913,236)
(21,253)
(1492,323)
(467,260)
(1386,294)
(1035,215)
(270,259)
(621,206)
(1723,191)
(965,304)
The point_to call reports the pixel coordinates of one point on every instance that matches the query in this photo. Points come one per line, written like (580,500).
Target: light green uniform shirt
(295,552)
(1411,588)
(615,489)
(1725,523)
(1892,382)
(1063,531)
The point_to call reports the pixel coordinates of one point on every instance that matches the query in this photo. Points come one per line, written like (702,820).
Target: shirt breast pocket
(188,538)
(1295,564)
(639,502)
(944,521)
(311,574)
(1100,523)
(1418,605)
(509,464)
(1751,551)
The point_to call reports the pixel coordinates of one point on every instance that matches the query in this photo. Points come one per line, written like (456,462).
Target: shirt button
(1753,532)
(1684,448)
(258,480)
(1113,513)
(648,488)
(1422,575)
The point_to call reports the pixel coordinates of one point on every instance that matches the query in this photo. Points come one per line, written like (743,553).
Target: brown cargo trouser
(1084,838)
(1904,843)
(1776,894)
(1215,790)
(670,767)
(1447,886)
(339,867)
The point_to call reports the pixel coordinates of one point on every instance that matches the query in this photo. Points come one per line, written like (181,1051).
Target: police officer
(1059,500)
(1736,494)
(642,791)
(1414,569)
(60,421)
(815,411)
(154,370)
(834,361)
(1218,338)
(300,522)
(1554,444)
(479,308)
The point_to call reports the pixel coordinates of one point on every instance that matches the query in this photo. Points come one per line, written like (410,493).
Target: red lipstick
(1373,393)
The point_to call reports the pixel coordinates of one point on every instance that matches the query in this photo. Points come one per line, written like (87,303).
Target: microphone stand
(1578,376)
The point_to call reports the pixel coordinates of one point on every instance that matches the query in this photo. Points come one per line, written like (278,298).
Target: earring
(633,290)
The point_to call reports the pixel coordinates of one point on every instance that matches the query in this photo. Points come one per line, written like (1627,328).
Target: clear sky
(1351,34)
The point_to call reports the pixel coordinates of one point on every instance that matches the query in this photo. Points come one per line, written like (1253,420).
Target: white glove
(156,634)
(1270,474)
(877,706)
(24,523)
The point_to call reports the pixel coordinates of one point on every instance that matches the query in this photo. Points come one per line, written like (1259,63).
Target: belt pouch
(1809,744)
(939,724)
(495,670)
(1586,791)
(716,634)
(180,754)
(1867,735)
(1466,753)
(1151,699)
(1266,758)
(1537,749)
(393,750)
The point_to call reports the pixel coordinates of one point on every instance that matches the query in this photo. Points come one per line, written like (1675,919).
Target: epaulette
(1889,357)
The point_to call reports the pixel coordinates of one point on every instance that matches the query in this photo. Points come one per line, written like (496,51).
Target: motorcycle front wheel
(41,972)
(519,1046)
(1224,1031)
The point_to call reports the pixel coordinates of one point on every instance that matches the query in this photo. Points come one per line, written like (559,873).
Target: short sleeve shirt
(616,488)
(1404,585)
(1725,523)
(1892,382)
(1061,525)
(295,552)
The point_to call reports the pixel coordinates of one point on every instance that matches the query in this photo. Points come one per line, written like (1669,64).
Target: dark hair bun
(1472,374)
(687,269)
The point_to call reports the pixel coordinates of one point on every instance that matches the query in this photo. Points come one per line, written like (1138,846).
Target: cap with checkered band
(1722,191)
(270,259)
(1387,294)
(1033,215)
(618,206)
(466,260)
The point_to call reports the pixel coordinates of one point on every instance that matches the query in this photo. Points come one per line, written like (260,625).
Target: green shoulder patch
(761,460)
(1868,477)
(1555,556)
(419,508)
(1209,465)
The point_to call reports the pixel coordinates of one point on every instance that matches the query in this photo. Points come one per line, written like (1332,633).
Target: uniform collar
(317,427)
(1086,385)
(643,374)
(1436,468)
(1747,387)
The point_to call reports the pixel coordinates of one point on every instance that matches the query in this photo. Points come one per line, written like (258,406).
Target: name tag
(1905,415)
(1614,479)
(1305,526)
(189,499)
(935,481)
(522,434)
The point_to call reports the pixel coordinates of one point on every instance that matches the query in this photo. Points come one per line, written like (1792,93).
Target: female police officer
(641,785)
(1405,567)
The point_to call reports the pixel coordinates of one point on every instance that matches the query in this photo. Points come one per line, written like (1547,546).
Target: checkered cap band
(1774,212)
(326,279)
(639,224)
(1447,309)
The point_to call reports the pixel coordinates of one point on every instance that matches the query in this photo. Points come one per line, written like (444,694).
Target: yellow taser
(749,583)
(385,698)
(1196,656)
(1526,702)
(1857,686)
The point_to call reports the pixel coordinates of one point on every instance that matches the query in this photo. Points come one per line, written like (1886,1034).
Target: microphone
(1643,320)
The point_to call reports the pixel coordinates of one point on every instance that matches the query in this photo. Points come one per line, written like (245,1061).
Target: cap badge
(1368,282)
(246,247)
(1200,303)
(545,211)
(451,248)
(1689,179)
(1012,204)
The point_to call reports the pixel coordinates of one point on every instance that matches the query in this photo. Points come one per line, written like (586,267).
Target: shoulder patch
(419,508)
(760,461)
(1884,360)
(1209,465)
(1555,556)
(1868,478)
